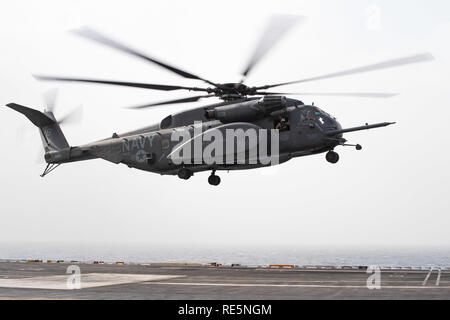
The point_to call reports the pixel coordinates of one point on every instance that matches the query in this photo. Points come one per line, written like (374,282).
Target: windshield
(321,112)
(323,119)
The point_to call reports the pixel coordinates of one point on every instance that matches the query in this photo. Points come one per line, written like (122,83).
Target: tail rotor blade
(73,117)
(50,98)
(40,155)
(20,134)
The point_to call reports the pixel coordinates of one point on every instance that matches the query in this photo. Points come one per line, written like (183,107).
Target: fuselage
(301,130)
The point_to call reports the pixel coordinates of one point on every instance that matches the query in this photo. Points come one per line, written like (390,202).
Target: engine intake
(247,111)
(272,103)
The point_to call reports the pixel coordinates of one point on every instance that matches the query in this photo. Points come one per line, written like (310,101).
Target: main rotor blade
(120,83)
(423,57)
(380,95)
(96,36)
(183,100)
(278,27)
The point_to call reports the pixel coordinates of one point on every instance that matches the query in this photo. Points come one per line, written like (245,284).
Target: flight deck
(34,279)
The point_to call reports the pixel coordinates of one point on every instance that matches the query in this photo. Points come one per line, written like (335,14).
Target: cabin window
(282,124)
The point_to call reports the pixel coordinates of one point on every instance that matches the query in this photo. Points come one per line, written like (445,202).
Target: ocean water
(251,256)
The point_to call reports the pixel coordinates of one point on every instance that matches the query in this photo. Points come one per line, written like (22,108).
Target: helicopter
(295,129)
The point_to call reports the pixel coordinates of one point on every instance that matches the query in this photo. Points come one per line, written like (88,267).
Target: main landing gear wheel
(332,157)
(185,174)
(213,179)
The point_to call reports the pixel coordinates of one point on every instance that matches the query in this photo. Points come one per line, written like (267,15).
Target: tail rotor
(75,116)
(52,136)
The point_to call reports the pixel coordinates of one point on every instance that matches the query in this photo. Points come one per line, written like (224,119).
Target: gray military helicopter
(303,130)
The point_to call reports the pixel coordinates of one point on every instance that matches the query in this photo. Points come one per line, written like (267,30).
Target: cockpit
(312,115)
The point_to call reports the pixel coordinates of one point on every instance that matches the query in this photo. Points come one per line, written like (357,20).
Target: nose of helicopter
(338,126)
(339,139)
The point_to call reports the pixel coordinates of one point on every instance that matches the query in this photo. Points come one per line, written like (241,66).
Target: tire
(214,180)
(332,157)
(184,174)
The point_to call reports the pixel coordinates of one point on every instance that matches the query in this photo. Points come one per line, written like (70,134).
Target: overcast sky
(394,192)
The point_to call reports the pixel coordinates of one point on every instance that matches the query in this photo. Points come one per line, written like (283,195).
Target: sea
(413,256)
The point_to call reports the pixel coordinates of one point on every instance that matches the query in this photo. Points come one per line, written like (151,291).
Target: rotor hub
(233,91)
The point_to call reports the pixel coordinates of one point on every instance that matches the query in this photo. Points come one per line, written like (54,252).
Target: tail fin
(52,136)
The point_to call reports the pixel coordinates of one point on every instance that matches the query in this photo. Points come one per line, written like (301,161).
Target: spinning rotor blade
(278,27)
(50,99)
(96,36)
(183,100)
(120,83)
(380,95)
(373,67)
(40,155)
(73,117)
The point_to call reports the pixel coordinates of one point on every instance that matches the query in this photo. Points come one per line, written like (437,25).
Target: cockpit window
(314,116)
(324,120)
(307,116)
(321,112)
(320,119)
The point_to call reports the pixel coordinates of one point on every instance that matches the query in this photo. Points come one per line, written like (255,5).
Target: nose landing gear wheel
(214,180)
(332,157)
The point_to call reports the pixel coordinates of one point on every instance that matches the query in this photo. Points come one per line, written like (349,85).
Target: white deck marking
(427,277)
(287,285)
(439,277)
(89,280)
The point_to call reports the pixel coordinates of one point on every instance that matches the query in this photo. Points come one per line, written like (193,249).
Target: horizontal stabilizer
(39,119)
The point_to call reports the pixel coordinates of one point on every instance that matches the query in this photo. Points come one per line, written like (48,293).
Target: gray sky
(394,192)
